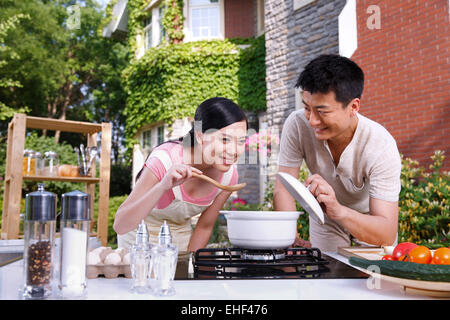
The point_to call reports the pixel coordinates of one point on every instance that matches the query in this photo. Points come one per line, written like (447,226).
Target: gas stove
(290,263)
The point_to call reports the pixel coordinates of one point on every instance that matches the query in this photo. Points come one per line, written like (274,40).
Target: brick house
(402,46)
(203,20)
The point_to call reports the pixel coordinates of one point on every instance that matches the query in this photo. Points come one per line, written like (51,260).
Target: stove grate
(226,263)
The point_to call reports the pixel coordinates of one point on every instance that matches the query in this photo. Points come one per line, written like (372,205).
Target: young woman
(166,190)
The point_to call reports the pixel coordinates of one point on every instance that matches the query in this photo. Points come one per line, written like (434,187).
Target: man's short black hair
(333,73)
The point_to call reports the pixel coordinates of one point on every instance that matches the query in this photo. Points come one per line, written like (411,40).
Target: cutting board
(427,288)
(369,253)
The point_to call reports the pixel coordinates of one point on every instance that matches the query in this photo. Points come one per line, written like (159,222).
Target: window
(260,17)
(204,19)
(162,31)
(160,135)
(147,139)
(148,39)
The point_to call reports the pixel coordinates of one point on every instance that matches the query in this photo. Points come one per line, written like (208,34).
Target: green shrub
(114,204)
(424,215)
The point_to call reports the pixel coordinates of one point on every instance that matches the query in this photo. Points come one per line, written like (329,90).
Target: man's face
(328,117)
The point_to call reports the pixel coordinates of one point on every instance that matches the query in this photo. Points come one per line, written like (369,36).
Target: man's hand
(299,242)
(325,195)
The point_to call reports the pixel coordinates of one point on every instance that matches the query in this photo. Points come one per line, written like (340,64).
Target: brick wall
(293,38)
(407,66)
(239,18)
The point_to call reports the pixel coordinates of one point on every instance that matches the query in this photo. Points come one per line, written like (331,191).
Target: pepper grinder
(164,256)
(39,243)
(140,259)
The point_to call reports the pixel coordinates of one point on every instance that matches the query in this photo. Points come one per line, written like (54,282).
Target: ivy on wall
(173,20)
(170,81)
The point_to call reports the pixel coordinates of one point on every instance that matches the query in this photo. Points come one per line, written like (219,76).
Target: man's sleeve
(290,144)
(385,175)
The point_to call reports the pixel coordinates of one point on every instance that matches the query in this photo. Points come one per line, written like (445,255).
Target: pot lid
(302,194)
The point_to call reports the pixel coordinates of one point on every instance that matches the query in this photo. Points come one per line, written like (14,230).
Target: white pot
(261,229)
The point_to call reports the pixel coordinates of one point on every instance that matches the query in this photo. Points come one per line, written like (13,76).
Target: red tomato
(388,257)
(420,254)
(441,256)
(402,249)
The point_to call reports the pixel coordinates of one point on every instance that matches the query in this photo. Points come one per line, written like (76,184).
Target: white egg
(93,258)
(127,258)
(113,258)
(121,251)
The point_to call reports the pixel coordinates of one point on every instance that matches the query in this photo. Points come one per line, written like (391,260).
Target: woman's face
(221,148)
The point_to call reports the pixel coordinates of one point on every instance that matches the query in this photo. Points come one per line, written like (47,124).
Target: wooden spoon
(235,187)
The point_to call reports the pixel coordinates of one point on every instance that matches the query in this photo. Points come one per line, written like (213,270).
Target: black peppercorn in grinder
(39,242)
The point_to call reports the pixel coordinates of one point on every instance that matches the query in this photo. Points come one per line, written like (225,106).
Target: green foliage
(169,82)
(173,20)
(8,54)
(114,204)
(424,216)
(136,17)
(66,73)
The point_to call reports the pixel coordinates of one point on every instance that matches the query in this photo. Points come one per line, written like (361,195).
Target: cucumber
(407,270)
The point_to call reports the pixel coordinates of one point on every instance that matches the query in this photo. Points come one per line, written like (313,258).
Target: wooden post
(105,164)
(13,177)
(90,187)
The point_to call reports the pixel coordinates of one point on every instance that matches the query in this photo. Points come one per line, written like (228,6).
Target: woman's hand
(177,175)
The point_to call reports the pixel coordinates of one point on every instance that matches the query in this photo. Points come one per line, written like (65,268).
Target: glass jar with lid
(29,162)
(51,163)
(39,168)
(26,159)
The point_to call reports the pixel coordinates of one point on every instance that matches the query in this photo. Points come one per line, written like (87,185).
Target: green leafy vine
(169,82)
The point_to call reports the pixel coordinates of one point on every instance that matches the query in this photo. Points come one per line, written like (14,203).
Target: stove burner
(262,255)
(229,263)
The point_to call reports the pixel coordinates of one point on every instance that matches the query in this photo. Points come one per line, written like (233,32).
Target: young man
(354,162)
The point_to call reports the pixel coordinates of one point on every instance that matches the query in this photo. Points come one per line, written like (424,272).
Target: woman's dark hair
(333,73)
(214,113)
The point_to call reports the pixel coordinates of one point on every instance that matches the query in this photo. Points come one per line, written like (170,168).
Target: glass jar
(39,168)
(29,163)
(75,222)
(25,161)
(51,163)
(39,242)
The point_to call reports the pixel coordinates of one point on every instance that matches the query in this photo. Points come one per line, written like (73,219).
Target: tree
(7,54)
(65,71)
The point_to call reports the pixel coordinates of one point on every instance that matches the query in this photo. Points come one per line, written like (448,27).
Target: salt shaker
(75,222)
(164,257)
(140,255)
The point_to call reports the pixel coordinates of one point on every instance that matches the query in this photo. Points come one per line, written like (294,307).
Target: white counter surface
(11,280)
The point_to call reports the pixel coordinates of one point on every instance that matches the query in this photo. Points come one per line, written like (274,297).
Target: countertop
(11,280)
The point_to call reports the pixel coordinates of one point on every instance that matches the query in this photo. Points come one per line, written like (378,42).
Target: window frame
(187,12)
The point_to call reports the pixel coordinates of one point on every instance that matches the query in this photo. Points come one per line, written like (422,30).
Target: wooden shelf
(66,125)
(62,179)
(12,194)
